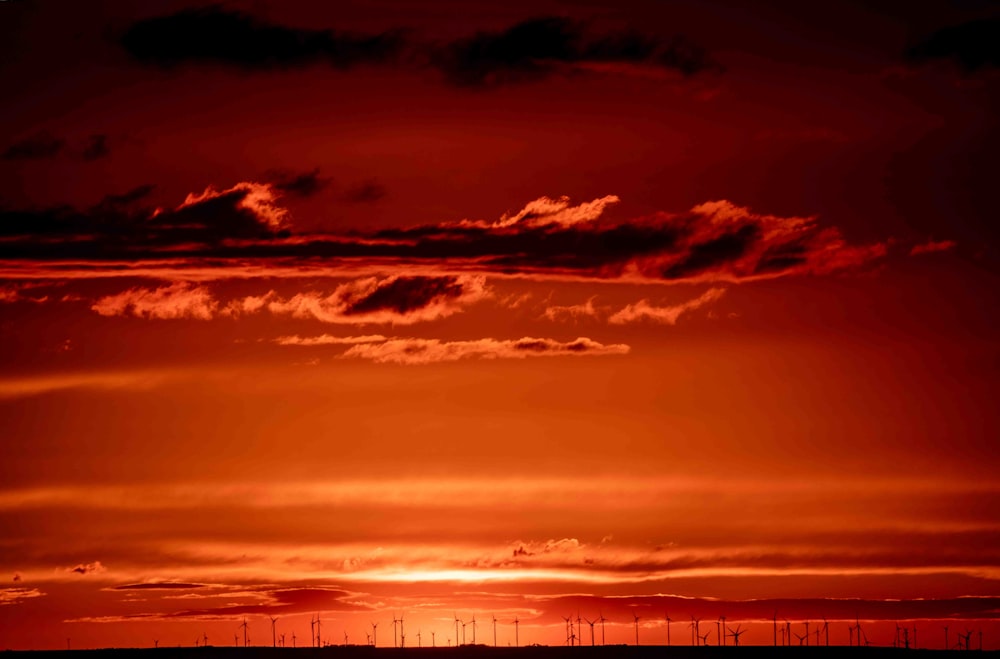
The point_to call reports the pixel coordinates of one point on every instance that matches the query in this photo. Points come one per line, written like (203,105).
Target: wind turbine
(420,642)
(517,640)
(319,633)
(722,639)
(591,623)
(736,633)
(244,627)
(463,633)
(433,639)
(800,637)
(282,640)
(293,639)
(569,630)
(473,628)
(788,631)
(704,638)
(667,618)
(494,629)
(579,628)
(695,630)
(204,639)
(826,632)
(156,642)
(602,619)
(807,632)
(402,633)
(345,639)
(636,628)
(374,634)
(456,628)
(395,638)
(274,637)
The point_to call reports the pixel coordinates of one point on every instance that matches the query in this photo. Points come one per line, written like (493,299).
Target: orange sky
(412,310)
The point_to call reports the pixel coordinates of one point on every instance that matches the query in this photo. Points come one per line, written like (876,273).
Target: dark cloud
(37,146)
(716,241)
(304,184)
(160,585)
(404,294)
(218,35)
(114,229)
(528,50)
(87,568)
(96,147)
(544,46)
(974,45)
(365,192)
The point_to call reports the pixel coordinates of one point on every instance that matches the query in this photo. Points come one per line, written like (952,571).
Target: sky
(508,311)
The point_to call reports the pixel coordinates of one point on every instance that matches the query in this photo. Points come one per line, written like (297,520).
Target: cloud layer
(245,227)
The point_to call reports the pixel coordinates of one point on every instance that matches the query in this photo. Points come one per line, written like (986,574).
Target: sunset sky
(448,309)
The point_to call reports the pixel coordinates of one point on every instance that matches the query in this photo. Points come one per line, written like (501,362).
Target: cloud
(87,568)
(396,300)
(366,192)
(160,585)
(546,46)
(932,246)
(217,35)
(643,310)
(427,351)
(10,293)
(10,596)
(178,300)
(243,229)
(118,227)
(303,184)
(35,147)
(326,339)
(974,45)
(572,312)
(96,147)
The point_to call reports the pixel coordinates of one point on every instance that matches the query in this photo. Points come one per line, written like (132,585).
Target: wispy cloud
(327,340)
(427,351)
(643,310)
(9,596)
(933,246)
(178,300)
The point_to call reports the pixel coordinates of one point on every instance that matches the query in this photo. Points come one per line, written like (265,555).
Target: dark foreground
(484,652)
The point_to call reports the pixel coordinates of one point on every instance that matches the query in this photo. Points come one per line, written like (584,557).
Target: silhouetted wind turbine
(807,631)
(374,634)
(579,628)
(463,633)
(666,617)
(456,628)
(800,637)
(402,632)
(494,629)
(636,628)
(244,626)
(345,639)
(517,640)
(282,637)
(433,639)
(695,630)
(420,642)
(736,633)
(473,628)
(274,636)
(395,638)
(569,632)
(788,631)
(722,640)
(602,619)
(236,640)
(293,639)
(319,632)
(826,632)
(591,623)
(204,639)
(156,642)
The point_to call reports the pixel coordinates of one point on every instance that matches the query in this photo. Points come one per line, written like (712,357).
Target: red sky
(497,309)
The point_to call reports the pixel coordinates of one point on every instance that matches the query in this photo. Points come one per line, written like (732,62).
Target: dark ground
(484,652)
